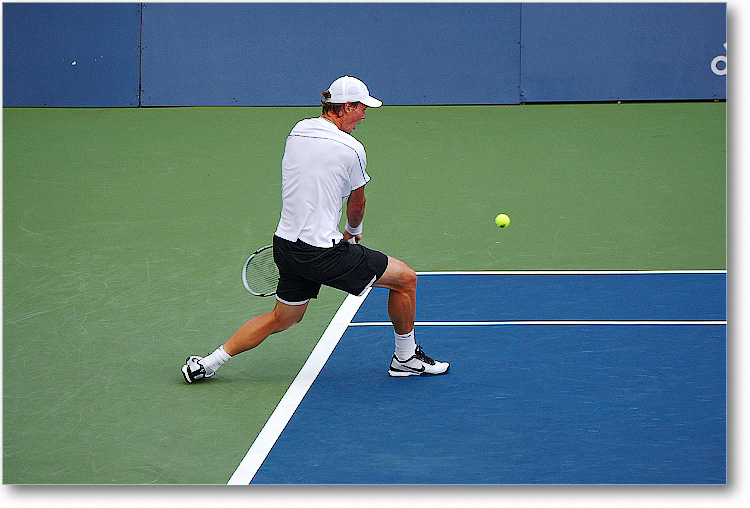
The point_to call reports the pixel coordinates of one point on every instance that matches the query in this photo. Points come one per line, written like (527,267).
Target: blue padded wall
(71,55)
(284,54)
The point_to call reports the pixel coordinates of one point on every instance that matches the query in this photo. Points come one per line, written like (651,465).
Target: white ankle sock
(215,360)
(405,345)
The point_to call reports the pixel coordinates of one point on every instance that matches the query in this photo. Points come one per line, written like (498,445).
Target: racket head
(260,274)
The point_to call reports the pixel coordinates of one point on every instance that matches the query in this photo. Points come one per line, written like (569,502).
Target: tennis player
(323,167)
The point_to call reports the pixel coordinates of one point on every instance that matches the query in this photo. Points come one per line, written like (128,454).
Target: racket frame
(244,273)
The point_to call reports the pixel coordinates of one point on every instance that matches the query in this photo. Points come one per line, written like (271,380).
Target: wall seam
(140,58)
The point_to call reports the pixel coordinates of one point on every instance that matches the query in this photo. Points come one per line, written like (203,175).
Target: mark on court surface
(557,377)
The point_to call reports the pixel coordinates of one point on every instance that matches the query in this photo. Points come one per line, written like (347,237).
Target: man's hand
(353,238)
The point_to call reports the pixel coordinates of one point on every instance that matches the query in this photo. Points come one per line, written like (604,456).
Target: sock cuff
(223,354)
(405,345)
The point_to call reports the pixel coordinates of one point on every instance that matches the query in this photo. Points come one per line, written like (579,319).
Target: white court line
(296,392)
(574,272)
(531,323)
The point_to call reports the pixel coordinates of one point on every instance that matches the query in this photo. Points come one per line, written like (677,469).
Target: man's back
(321,166)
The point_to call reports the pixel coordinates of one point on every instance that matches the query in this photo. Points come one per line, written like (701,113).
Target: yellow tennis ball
(502,220)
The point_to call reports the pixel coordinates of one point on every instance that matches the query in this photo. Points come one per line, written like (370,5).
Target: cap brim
(371,102)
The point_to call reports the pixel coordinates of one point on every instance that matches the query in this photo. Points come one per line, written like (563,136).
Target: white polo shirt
(321,166)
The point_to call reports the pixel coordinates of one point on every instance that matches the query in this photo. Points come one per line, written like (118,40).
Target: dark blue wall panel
(626,51)
(71,55)
(286,54)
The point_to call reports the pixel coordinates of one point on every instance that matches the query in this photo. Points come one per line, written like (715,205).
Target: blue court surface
(556,378)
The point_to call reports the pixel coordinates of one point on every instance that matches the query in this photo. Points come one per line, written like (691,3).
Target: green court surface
(124,231)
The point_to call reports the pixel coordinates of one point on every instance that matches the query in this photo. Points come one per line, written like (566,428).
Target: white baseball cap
(349,89)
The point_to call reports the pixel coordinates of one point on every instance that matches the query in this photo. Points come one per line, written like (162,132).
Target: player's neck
(335,120)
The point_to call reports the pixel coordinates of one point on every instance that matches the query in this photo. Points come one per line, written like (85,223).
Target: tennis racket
(260,274)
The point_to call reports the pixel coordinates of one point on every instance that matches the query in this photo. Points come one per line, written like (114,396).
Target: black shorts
(304,268)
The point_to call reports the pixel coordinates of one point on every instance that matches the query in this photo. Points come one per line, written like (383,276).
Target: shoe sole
(406,373)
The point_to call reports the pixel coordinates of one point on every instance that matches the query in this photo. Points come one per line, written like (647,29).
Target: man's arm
(355,211)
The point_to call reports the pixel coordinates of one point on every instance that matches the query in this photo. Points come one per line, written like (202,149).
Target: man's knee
(407,279)
(286,316)
(411,279)
(398,276)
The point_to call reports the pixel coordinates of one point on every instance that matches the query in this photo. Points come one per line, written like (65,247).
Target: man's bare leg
(402,298)
(247,337)
(256,330)
(408,359)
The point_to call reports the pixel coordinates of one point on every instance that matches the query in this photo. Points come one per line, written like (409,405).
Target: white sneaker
(193,370)
(418,365)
